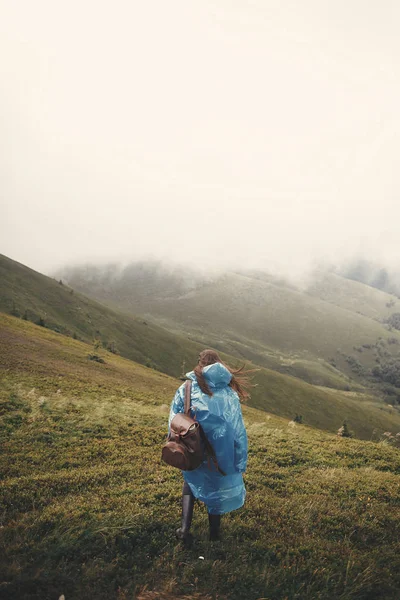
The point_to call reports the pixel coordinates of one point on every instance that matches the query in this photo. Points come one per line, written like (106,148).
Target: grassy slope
(156,347)
(336,289)
(69,312)
(354,296)
(90,510)
(322,408)
(276,393)
(24,289)
(275,316)
(314,371)
(255,314)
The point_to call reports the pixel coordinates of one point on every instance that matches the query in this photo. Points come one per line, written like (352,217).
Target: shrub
(394,320)
(388,371)
(94,355)
(354,365)
(344,431)
(96,358)
(391,438)
(111,347)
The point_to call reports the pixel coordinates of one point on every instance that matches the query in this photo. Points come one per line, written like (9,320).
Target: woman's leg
(187,513)
(214,522)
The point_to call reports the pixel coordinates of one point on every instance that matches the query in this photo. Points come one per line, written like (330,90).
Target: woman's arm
(177,405)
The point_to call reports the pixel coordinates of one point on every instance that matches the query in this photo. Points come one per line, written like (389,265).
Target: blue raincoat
(220,416)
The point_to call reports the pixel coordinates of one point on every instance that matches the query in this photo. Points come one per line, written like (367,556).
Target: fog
(261,133)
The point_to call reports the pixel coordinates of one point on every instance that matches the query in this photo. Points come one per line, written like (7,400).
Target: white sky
(259,132)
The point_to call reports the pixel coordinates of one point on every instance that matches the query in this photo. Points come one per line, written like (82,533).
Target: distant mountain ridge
(257,316)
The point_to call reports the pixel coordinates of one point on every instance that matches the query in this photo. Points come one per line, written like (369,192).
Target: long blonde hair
(240,381)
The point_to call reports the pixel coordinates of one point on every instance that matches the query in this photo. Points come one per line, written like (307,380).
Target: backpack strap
(188,391)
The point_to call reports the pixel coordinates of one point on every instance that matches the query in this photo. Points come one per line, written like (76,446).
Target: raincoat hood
(217,375)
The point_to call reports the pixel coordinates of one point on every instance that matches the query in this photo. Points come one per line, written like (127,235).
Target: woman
(215,402)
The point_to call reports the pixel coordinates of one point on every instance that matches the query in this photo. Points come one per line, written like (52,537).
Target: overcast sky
(260,132)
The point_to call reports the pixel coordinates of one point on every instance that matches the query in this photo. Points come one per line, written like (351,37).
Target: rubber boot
(183,533)
(214,522)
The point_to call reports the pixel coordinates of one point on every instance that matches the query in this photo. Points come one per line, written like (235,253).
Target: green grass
(322,407)
(89,510)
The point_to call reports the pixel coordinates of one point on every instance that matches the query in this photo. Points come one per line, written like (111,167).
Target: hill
(169,352)
(337,289)
(40,299)
(89,510)
(33,346)
(332,323)
(354,296)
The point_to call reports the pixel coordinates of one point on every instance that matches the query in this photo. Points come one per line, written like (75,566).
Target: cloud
(264,134)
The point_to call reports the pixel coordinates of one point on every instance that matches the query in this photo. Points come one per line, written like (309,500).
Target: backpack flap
(184,446)
(182,425)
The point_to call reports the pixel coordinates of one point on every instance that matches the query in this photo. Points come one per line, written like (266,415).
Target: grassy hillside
(354,296)
(27,293)
(151,345)
(33,296)
(335,288)
(316,371)
(89,510)
(37,348)
(259,317)
(279,318)
(322,408)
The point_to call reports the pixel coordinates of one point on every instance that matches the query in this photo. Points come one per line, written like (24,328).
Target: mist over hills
(327,330)
(359,286)
(373,274)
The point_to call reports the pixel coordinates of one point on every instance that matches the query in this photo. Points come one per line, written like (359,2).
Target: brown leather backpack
(187,445)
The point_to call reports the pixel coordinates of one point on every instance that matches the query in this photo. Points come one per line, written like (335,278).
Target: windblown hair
(240,381)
